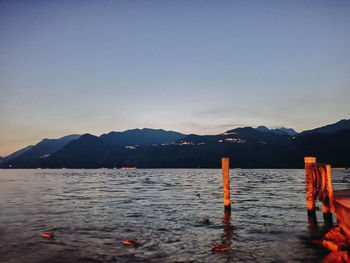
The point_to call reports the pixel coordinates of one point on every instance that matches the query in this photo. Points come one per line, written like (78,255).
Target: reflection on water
(228,231)
(92,212)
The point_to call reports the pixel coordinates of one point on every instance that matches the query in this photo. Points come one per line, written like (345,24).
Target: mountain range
(246,147)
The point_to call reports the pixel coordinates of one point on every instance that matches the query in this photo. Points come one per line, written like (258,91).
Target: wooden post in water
(326,209)
(328,218)
(309,183)
(330,188)
(225,162)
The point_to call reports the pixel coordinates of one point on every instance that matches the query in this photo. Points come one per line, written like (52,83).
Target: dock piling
(330,188)
(309,182)
(318,183)
(327,215)
(225,162)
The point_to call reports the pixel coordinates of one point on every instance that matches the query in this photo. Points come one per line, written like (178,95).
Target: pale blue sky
(191,66)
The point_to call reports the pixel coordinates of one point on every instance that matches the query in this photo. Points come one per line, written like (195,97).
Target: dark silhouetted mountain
(108,150)
(242,145)
(332,148)
(88,151)
(280,131)
(263,129)
(246,147)
(283,131)
(237,136)
(141,137)
(331,128)
(32,157)
(17,153)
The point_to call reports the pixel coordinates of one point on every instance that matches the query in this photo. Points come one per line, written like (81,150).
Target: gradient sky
(191,66)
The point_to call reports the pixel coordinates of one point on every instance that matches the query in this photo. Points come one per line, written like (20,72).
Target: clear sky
(190,66)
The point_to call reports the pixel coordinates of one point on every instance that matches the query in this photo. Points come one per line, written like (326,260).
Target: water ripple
(91,212)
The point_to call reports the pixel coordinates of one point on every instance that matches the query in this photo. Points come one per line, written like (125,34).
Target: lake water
(92,212)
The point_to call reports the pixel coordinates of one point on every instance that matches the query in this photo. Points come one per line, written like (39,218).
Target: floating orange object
(48,235)
(330,245)
(205,220)
(218,248)
(130,242)
(335,234)
(337,256)
(334,240)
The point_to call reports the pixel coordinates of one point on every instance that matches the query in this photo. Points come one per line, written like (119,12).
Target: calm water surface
(91,212)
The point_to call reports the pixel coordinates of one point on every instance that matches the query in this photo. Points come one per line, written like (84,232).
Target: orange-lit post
(327,215)
(330,188)
(225,162)
(309,183)
(329,218)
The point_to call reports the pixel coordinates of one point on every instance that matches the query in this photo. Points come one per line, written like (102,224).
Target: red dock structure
(318,181)
(342,209)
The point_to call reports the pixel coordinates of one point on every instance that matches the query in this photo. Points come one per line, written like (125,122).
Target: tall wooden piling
(309,182)
(328,218)
(330,188)
(225,162)
(326,202)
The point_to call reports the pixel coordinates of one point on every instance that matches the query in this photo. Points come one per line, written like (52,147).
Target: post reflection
(313,227)
(226,238)
(228,228)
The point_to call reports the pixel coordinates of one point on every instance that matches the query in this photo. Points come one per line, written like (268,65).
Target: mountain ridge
(280,131)
(343,124)
(41,150)
(156,148)
(145,136)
